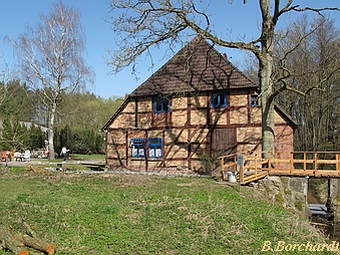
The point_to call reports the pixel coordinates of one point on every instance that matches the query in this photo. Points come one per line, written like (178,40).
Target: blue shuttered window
(254,101)
(161,104)
(137,147)
(154,147)
(218,100)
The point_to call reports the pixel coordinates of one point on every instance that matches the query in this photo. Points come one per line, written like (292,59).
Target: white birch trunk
(50,131)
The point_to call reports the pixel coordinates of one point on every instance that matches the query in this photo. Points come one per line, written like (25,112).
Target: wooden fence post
(315,164)
(222,162)
(241,174)
(256,166)
(269,162)
(291,162)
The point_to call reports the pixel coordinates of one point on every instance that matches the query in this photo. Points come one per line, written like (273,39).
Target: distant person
(27,155)
(64,152)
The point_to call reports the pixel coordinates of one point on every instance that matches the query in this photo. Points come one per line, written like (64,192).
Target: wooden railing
(251,170)
(318,164)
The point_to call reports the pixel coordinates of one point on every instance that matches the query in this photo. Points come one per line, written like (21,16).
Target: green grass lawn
(131,214)
(73,161)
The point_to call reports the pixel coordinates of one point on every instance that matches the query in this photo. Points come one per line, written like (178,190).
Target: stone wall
(292,193)
(288,191)
(334,197)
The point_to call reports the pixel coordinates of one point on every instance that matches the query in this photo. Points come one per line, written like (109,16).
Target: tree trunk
(50,131)
(267,104)
(265,58)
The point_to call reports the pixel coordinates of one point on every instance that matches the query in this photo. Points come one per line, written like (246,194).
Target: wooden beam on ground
(254,177)
(95,167)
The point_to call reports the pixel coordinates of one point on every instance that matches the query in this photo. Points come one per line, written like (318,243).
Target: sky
(236,20)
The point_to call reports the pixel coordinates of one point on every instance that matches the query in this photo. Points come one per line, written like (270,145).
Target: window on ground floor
(137,147)
(155,147)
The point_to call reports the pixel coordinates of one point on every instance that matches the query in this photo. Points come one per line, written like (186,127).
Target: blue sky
(242,21)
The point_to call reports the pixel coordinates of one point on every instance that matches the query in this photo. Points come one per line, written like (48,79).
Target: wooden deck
(252,168)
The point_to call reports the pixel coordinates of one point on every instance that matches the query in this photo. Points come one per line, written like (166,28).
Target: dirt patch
(189,184)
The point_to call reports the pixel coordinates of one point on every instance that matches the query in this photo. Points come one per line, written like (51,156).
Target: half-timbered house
(195,108)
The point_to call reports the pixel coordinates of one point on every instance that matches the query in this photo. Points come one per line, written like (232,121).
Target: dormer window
(219,100)
(161,104)
(254,100)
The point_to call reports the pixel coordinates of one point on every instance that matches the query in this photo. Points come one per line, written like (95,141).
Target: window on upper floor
(254,100)
(219,100)
(161,104)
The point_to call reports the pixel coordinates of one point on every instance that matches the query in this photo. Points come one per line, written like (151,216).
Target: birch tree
(143,24)
(51,59)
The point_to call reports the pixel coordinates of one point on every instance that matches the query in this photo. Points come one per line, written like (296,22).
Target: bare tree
(6,75)
(51,59)
(3,78)
(314,62)
(142,24)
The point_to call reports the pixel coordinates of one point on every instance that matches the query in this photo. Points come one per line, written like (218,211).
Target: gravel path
(38,161)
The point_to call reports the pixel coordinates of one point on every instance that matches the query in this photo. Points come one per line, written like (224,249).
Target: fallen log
(37,244)
(9,242)
(18,243)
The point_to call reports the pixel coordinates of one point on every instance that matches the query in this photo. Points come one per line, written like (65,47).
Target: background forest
(312,94)
(80,117)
